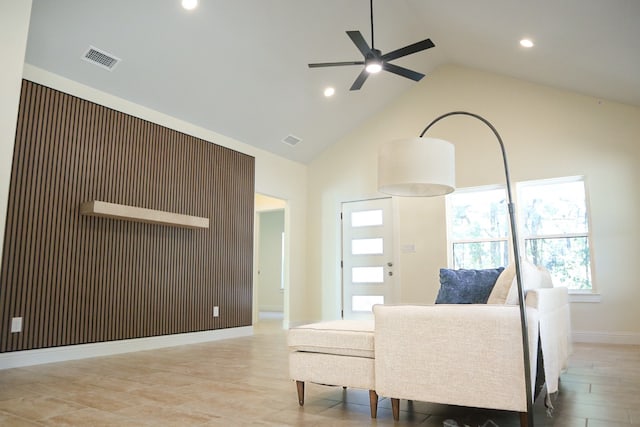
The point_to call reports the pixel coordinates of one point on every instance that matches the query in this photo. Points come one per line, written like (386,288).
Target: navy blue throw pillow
(466,286)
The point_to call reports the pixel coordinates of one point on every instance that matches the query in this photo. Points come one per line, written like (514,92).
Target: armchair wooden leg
(524,420)
(373,403)
(395,408)
(300,387)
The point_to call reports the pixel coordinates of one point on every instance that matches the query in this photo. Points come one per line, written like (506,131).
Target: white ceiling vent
(101,58)
(291,140)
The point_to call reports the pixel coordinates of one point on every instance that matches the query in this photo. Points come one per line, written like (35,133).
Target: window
(554,227)
(367,274)
(365,303)
(366,218)
(477,224)
(373,246)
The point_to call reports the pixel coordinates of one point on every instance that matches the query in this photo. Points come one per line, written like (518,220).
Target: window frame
(576,295)
(523,237)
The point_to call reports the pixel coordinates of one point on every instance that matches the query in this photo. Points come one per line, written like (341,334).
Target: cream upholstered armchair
(459,355)
(471,354)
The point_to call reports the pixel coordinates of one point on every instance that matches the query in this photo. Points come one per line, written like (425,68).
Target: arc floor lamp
(426,167)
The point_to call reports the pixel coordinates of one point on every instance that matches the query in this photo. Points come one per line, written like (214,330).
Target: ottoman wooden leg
(373,402)
(395,408)
(300,387)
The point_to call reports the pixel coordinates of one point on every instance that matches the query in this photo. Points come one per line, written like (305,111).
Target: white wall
(14,28)
(271,227)
(548,133)
(275,176)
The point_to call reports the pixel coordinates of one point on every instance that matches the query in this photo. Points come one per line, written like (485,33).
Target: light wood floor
(244,382)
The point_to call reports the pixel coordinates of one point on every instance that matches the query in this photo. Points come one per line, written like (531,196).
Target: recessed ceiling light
(526,43)
(189,4)
(329,92)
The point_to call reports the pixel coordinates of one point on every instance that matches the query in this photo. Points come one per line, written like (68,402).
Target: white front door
(367,256)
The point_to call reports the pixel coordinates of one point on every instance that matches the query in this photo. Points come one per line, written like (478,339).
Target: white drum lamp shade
(416,167)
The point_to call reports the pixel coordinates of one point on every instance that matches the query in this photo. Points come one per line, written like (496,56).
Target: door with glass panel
(367,256)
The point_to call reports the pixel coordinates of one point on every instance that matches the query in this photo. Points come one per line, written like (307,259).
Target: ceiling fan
(374,61)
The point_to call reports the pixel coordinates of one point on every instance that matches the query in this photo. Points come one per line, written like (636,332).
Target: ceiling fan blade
(335,64)
(408,50)
(360,42)
(401,71)
(359,80)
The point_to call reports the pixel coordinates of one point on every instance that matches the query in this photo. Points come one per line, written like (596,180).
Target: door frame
(279,203)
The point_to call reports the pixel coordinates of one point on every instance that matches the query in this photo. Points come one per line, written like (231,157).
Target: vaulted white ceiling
(239,67)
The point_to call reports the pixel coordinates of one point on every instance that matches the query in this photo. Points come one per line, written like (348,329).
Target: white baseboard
(626,338)
(295,324)
(39,356)
(271,308)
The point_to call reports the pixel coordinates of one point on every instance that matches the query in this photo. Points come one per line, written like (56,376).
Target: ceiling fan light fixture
(373,66)
(526,43)
(189,4)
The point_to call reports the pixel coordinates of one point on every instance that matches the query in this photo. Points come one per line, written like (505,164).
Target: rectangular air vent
(101,58)
(291,140)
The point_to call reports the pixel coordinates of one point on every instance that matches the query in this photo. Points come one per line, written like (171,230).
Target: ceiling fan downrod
(373,45)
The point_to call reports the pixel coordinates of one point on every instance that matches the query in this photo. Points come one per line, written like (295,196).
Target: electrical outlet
(16,325)
(216,311)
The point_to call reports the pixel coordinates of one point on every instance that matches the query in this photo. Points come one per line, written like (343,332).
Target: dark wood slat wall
(77,279)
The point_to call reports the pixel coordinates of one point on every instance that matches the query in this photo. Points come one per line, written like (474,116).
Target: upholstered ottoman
(338,353)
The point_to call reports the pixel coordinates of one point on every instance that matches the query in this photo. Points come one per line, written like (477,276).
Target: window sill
(584,297)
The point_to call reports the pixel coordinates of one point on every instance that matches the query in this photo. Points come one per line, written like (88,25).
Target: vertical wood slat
(77,279)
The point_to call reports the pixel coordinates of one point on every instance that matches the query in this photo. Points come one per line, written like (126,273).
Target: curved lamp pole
(405,174)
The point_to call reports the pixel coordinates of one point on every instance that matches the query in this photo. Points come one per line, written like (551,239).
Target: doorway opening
(271,262)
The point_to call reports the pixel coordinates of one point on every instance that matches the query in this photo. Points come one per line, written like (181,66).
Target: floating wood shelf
(150,216)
